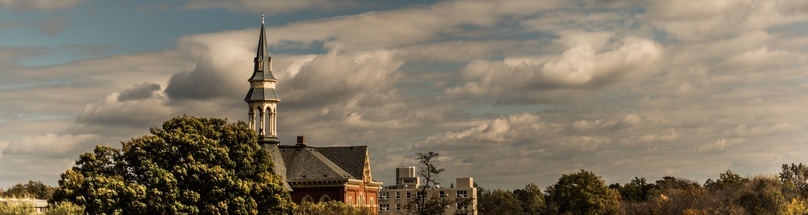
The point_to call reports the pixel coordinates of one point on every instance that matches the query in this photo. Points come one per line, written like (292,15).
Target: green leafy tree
(332,208)
(499,202)
(33,189)
(581,193)
(795,180)
(727,180)
(638,190)
(531,199)
(189,166)
(64,208)
(677,195)
(762,195)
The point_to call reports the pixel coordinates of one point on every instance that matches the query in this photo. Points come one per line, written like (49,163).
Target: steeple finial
(262,18)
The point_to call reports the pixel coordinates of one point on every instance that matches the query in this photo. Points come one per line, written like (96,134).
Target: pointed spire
(263,63)
(261,52)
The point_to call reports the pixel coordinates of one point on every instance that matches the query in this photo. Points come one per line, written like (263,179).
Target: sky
(508,92)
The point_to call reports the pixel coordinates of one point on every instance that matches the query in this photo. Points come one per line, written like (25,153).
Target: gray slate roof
(261,75)
(261,94)
(323,163)
(279,166)
(350,158)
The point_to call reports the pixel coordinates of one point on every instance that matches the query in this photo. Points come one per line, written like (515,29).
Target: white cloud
(697,20)
(48,145)
(580,70)
(113,111)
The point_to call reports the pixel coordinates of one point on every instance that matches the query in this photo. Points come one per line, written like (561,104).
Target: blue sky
(509,92)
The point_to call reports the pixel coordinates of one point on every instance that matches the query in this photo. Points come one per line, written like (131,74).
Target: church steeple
(262,98)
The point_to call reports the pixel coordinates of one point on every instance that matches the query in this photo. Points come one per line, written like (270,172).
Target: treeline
(586,193)
(33,189)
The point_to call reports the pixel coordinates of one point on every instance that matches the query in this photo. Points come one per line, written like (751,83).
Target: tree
(189,166)
(33,189)
(795,180)
(762,195)
(332,208)
(638,190)
(727,180)
(677,195)
(499,202)
(581,193)
(64,208)
(422,203)
(531,199)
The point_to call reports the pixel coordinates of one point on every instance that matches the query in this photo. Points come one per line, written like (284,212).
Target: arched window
(307,198)
(325,198)
(259,120)
(269,122)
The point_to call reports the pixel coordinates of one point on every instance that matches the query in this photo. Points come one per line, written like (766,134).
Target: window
(384,207)
(398,195)
(398,207)
(443,194)
(421,194)
(308,198)
(384,195)
(408,195)
(461,194)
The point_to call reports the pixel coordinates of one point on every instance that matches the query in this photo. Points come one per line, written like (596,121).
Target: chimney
(301,141)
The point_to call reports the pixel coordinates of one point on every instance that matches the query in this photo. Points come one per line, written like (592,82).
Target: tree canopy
(582,193)
(189,166)
(33,189)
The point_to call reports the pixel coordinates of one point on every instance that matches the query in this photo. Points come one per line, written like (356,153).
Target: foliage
(64,208)
(637,190)
(499,202)
(530,199)
(762,195)
(677,195)
(795,180)
(727,180)
(190,165)
(16,208)
(332,208)
(581,193)
(33,189)
(797,206)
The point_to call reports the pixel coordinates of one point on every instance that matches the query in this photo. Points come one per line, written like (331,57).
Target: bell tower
(262,98)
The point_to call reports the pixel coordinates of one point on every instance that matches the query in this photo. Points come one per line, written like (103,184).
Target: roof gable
(352,159)
(307,163)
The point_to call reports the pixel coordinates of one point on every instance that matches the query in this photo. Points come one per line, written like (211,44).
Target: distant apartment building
(462,196)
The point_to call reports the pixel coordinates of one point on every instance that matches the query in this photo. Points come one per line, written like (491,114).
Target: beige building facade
(462,196)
